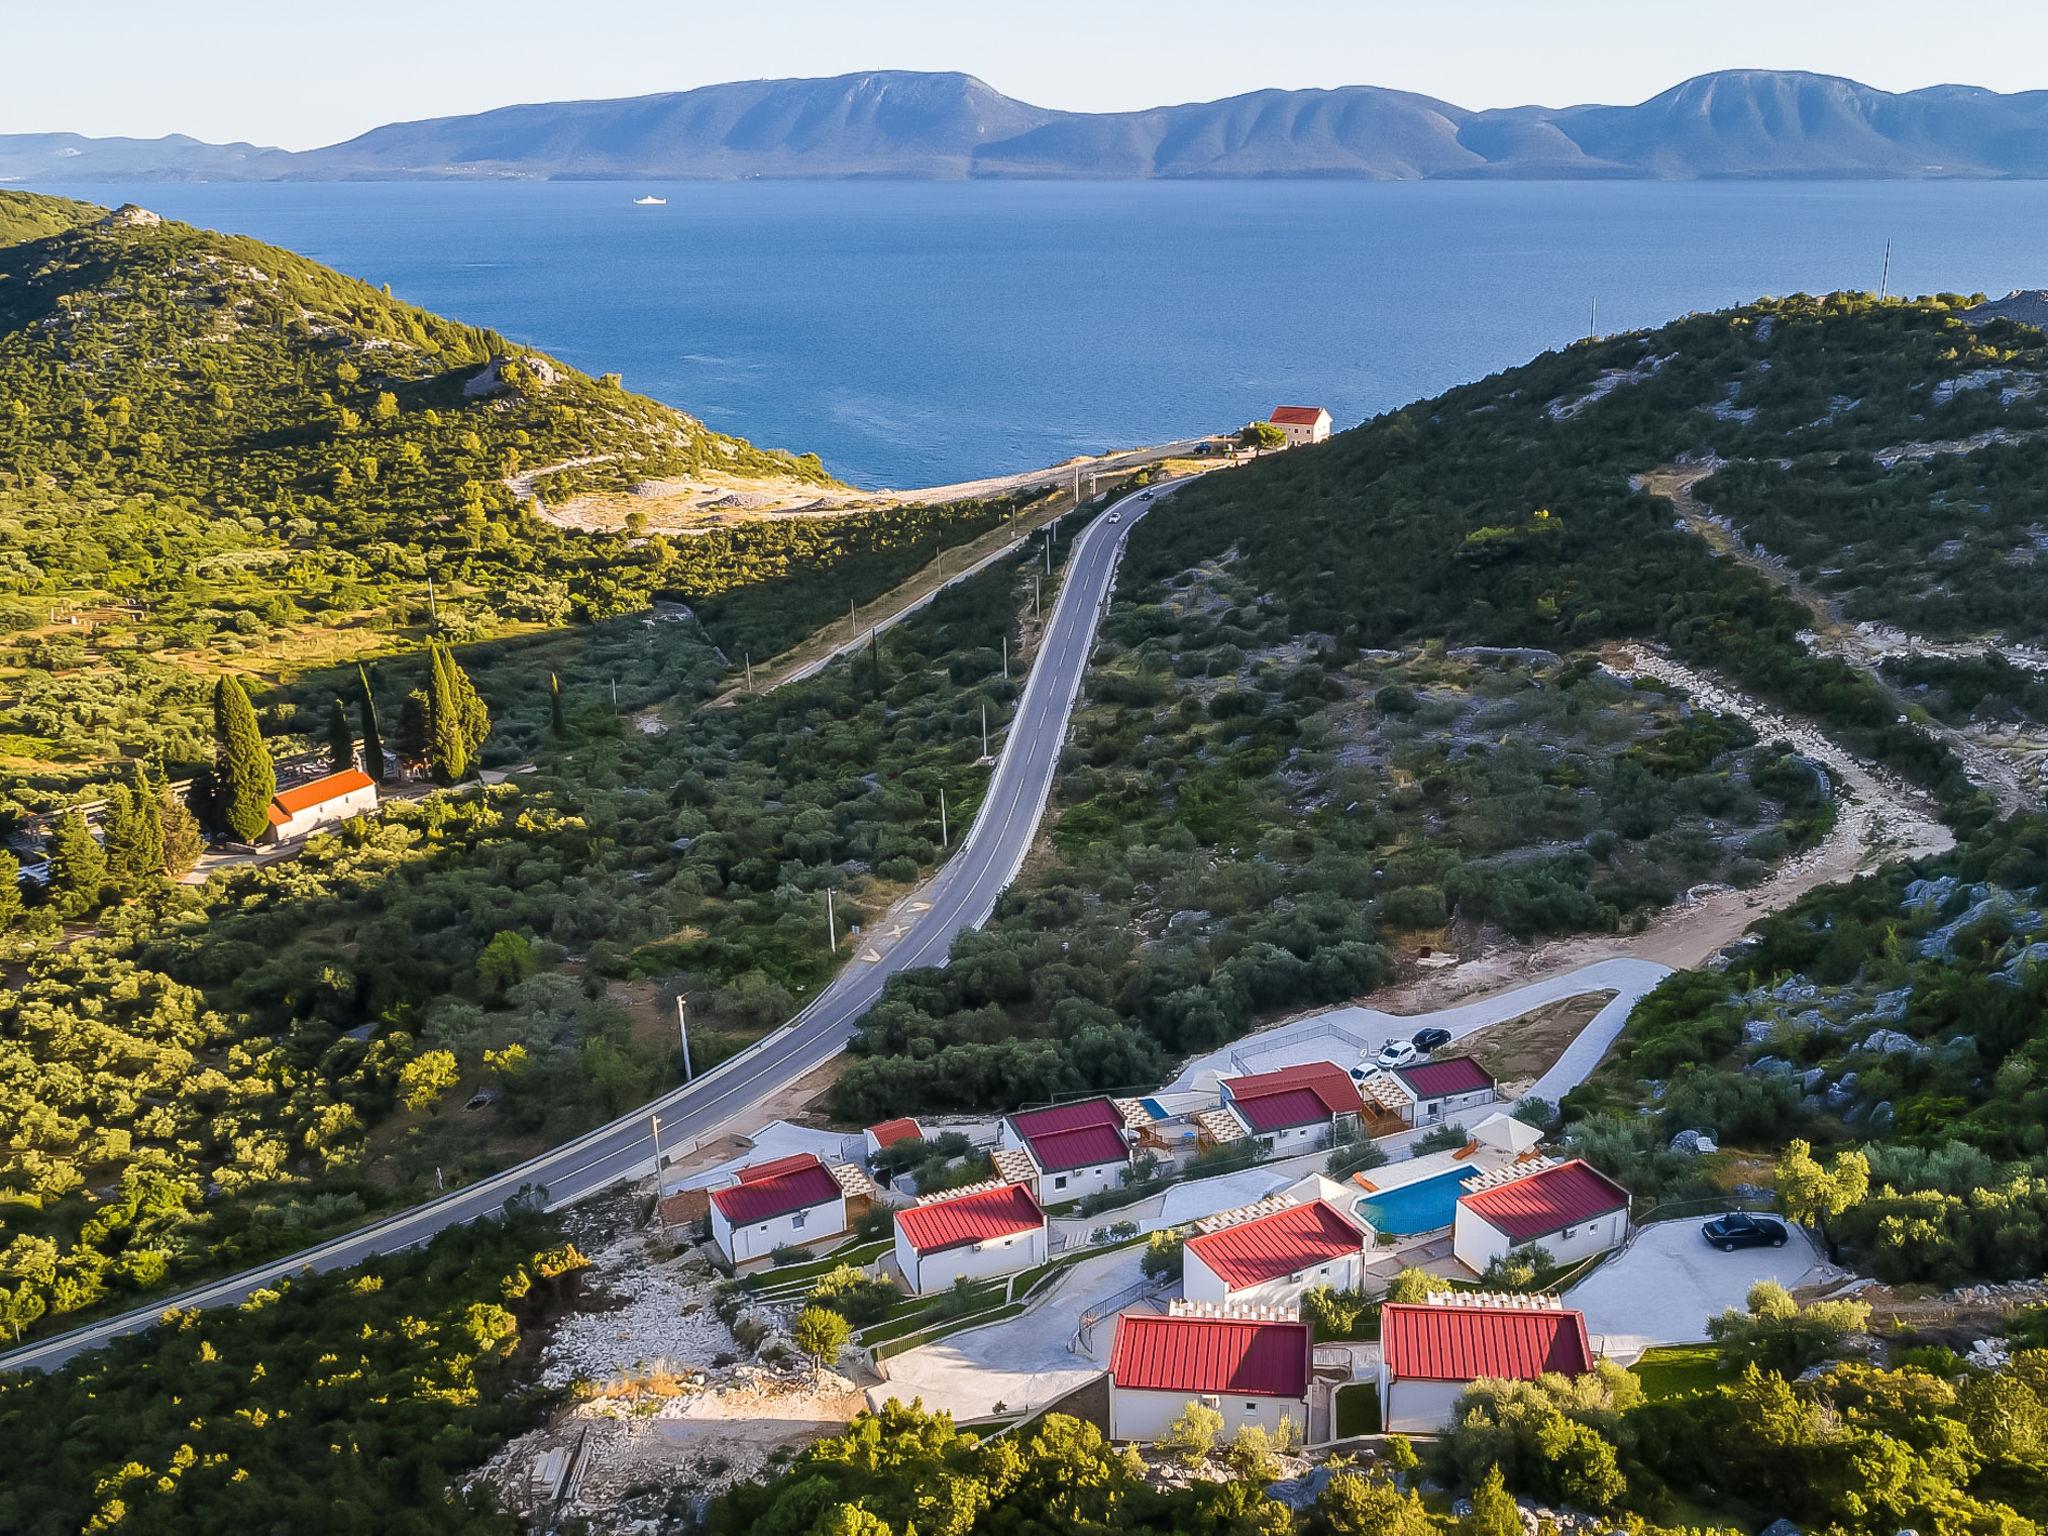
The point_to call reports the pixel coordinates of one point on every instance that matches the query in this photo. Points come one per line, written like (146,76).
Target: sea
(919,333)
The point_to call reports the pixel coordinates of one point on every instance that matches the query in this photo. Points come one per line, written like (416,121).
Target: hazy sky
(298,73)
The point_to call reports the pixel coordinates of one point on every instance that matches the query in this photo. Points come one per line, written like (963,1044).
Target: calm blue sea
(915,333)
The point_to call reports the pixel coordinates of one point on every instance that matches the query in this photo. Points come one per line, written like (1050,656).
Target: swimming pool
(1422,1206)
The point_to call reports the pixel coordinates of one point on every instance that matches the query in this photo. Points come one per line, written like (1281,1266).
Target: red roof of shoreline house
(1434,1343)
(1068,1136)
(287,803)
(777,1188)
(972,1218)
(889,1132)
(1293,1096)
(1547,1201)
(1441,1079)
(1209,1354)
(1295,415)
(1283,1243)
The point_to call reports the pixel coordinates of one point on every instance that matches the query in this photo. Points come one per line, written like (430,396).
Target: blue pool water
(1154,1108)
(1422,1206)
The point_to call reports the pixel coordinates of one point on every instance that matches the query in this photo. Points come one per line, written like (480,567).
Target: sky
(298,73)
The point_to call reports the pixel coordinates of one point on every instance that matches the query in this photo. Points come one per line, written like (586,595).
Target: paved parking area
(1663,1290)
(1021,1362)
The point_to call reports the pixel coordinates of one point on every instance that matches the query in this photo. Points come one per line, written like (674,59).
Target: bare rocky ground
(664,1405)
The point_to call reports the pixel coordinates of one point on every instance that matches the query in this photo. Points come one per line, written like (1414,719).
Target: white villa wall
(357,802)
(1144,1415)
(1451,1105)
(933,1272)
(1417,1407)
(1201,1283)
(1079,1183)
(1476,1243)
(758,1239)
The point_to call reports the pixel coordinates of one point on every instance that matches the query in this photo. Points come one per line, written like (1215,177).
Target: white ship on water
(650,201)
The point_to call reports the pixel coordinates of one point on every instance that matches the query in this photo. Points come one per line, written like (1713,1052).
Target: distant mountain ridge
(944,126)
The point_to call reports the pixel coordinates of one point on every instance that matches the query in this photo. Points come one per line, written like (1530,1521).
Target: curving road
(960,896)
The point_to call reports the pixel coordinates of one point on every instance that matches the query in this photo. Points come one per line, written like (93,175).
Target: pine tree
(341,741)
(373,742)
(181,837)
(244,778)
(555,721)
(10,890)
(78,869)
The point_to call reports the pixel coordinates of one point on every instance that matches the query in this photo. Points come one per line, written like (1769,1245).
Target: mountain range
(1738,123)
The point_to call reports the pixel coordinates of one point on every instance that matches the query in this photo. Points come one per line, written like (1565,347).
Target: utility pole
(750,671)
(1593,318)
(945,837)
(1048,549)
(1006,658)
(984,730)
(1034,597)
(831,925)
(433,609)
(683,1029)
(654,1124)
(1884,281)
(615,694)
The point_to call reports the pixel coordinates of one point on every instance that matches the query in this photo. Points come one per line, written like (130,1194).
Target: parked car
(1739,1229)
(1398,1053)
(1431,1039)
(1365,1072)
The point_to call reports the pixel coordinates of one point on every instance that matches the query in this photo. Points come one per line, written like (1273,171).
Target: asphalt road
(960,896)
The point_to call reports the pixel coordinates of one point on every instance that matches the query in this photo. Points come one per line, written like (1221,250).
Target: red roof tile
(1464,1343)
(287,803)
(765,1195)
(1296,415)
(1268,1247)
(1283,1111)
(1538,1204)
(776,1167)
(889,1132)
(1205,1354)
(1083,1147)
(1330,1083)
(975,1218)
(1441,1079)
(1066,1117)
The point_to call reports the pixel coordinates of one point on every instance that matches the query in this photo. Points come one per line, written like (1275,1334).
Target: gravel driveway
(1663,1290)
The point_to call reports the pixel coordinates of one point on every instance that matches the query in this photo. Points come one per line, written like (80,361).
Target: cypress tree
(182,842)
(555,721)
(133,830)
(341,741)
(120,833)
(78,870)
(244,778)
(373,743)
(473,719)
(447,758)
(10,890)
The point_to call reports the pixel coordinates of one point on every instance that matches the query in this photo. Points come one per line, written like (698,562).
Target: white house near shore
(970,1234)
(1430,1354)
(1570,1210)
(305,808)
(788,1202)
(1270,1259)
(1437,1092)
(1294,1109)
(1301,423)
(1250,1371)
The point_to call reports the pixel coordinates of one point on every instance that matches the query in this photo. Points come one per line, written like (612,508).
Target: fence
(1084,1335)
(1241,1058)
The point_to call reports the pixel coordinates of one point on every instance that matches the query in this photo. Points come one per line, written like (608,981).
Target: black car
(1427,1040)
(1739,1229)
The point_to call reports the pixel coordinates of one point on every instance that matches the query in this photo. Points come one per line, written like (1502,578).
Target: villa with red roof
(1430,1354)
(1271,1260)
(784,1203)
(969,1234)
(1294,1109)
(1437,1092)
(889,1132)
(1075,1149)
(1301,423)
(1251,1372)
(1569,1210)
(305,808)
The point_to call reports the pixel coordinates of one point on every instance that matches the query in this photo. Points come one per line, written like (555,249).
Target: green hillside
(216,454)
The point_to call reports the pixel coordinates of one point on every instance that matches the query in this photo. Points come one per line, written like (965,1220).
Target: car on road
(1431,1039)
(1397,1053)
(1739,1229)
(1116,517)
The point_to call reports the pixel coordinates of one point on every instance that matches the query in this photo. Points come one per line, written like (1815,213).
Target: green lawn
(1358,1410)
(1675,1370)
